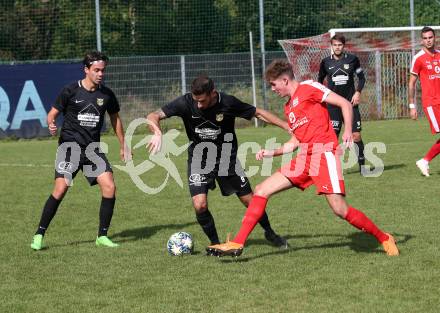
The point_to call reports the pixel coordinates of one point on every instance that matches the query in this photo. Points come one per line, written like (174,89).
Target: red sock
(433,152)
(362,222)
(253,214)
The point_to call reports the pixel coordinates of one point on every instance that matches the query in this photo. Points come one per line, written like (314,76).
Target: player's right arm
(322,72)
(51,117)
(412,96)
(287,147)
(153,120)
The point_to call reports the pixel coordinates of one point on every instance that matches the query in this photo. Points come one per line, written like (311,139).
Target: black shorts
(235,182)
(337,119)
(70,160)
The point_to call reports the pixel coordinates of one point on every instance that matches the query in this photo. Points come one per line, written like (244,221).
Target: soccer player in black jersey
(209,118)
(340,68)
(83,105)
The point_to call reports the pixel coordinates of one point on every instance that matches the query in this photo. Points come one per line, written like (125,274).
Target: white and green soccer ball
(180,243)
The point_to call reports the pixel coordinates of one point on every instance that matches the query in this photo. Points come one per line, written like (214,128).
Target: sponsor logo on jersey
(78,101)
(89,116)
(99,101)
(300,122)
(219,117)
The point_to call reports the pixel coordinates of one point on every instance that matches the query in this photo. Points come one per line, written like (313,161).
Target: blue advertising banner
(27,92)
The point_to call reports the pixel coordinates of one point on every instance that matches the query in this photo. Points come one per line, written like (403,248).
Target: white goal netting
(385,55)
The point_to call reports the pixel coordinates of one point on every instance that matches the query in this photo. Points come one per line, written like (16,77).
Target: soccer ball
(180,243)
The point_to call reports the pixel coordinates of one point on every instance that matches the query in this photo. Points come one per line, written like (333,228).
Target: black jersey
(215,124)
(340,74)
(84,112)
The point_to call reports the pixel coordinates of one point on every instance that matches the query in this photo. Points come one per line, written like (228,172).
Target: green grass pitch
(330,267)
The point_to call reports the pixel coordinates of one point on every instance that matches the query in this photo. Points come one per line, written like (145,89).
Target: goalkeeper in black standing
(340,68)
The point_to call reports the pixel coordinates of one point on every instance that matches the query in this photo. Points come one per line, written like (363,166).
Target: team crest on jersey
(219,117)
(346,66)
(294,102)
(99,101)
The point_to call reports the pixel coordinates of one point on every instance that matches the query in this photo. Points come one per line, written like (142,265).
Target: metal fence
(145,83)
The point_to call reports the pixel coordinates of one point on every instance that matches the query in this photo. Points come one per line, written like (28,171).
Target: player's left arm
(355,100)
(271,118)
(116,121)
(347,113)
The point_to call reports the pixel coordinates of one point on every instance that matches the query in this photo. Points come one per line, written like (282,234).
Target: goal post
(385,54)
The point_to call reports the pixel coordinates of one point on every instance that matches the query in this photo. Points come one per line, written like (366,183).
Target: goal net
(385,55)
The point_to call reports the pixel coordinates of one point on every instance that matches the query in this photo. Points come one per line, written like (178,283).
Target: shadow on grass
(147,231)
(133,234)
(385,168)
(359,242)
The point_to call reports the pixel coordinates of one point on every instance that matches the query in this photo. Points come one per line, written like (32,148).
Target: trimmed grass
(331,267)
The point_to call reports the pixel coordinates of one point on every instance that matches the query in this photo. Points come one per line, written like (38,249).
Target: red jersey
(427,67)
(307,115)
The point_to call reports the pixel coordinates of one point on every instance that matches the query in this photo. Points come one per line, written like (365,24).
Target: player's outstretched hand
(347,139)
(53,128)
(413,114)
(155,143)
(263,153)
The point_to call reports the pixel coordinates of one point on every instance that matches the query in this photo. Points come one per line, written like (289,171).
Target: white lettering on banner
(29,93)
(4,109)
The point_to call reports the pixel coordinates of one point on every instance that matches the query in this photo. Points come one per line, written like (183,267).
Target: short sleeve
(177,107)
(416,66)
(113,105)
(241,109)
(322,72)
(62,100)
(318,91)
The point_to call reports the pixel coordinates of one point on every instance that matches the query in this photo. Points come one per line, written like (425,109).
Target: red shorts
(432,112)
(321,169)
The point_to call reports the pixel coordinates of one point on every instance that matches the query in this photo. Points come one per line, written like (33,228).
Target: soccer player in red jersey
(426,67)
(317,163)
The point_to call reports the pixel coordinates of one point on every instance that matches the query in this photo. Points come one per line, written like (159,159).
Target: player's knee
(339,208)
(261,191)
(108,189)
(59,191)
(200,206)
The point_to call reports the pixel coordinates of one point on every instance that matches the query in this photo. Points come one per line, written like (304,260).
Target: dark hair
(202,85)
(277,68)
(427,29)
(338,37)
(94,56)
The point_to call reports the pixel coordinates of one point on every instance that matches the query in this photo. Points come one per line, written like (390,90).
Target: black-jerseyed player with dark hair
(340,68)
(209,119)
(83,105)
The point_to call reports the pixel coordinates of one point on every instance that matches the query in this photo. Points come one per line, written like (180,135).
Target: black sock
(361,157)
(207,223)
(105,215)
(264,222)
(49,211)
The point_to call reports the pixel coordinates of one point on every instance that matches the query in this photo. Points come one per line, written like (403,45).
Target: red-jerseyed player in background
(317,163)
(426,67)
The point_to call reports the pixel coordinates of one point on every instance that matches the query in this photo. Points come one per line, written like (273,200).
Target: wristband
(412,106)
